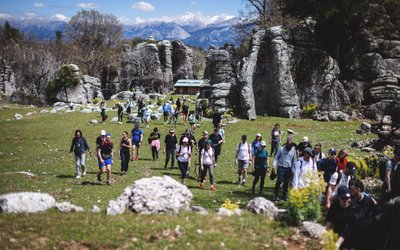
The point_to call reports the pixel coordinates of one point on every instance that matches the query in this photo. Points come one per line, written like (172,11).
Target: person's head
(356,188)
(185,140)
(350,168)
(307,153)
(258,137)
(317,148)
(205,134)
(155,130)
(331,153)
(108,137)
(78,133)
(305,140)
(137,126)
(216,131)
(102,133)
(342,153)
(208,145)
(124,134)
(289,142)
(263,144)
(344,196)
(171,131)
(277,126)
(187,131)
(244,138)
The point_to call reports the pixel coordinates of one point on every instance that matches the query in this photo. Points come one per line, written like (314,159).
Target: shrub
(159,102)
(209,113)
(230,205)
(364,166)
(303,204)
(309,109)
(96,100)
(328,240)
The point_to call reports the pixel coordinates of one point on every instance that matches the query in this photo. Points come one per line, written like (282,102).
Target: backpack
(382,167)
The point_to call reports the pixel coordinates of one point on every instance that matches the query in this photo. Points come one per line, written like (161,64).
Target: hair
(155,129)
(277,125)
(78,130)
(357,183)
(126,132)
(318,144)
(260,138)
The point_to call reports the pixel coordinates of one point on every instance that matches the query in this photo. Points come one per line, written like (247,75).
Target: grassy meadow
(40,144)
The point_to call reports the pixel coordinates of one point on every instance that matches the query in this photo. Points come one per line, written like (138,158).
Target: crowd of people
(350,211)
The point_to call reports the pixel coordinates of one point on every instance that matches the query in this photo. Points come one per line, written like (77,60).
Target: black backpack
(382,167)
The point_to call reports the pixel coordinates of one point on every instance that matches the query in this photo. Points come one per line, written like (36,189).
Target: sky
(128,12)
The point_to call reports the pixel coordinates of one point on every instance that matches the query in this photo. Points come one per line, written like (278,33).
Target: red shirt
(341,163)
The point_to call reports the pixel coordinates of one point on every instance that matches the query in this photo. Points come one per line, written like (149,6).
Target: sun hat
(305,139)
(263,144)
(205,133)
(258,134)
(103,132)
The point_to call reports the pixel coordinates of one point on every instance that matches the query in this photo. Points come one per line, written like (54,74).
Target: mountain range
(191,29)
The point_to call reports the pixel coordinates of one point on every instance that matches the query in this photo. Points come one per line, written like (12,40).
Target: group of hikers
(351,212)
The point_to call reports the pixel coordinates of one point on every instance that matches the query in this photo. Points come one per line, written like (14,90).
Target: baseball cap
(263,144)
(332,151)
(308,150)
(103,132)
(305,139)
(108,135)
(258,134)
(171,130)
(351,166)
(136,125)
(289,138)
(185,139)
(343,192)
(205,133)
(187,130)
(244,137)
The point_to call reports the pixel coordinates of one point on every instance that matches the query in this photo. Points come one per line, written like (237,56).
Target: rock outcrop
(182,57)
(263,206)
(7,79)
(26,202)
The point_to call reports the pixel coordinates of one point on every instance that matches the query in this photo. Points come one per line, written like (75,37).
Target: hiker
(183,154)
(260,167)
(192,143)
(328,165)
(103,112)
(256,144)
(146,116)
(217,118)
(124,148)
(105,153)
(388,228)
(284,160)
(128,106)
(216,143)
(342,159)
(137,138)
(391,184)
(305,170)
(178,104)
(79,145)
(201,144)
(171,111)
(185,112)
(141,106)
(275,139)
(120,112)
(99,139)
(199,114)
(338,179)
(154,142)
(165,109)
(207,161)
(170,144)
(243,158)
(302,145)
(318,155)
(192,120)
(221,131)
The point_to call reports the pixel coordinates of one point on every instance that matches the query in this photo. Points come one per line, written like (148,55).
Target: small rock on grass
(67,207)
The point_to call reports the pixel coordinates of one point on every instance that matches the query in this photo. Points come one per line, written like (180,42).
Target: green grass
(40,144)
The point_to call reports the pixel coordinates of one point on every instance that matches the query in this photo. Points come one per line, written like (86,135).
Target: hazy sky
(127,11)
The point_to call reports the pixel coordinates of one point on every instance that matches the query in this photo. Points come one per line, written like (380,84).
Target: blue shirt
(136,134)
(286,158)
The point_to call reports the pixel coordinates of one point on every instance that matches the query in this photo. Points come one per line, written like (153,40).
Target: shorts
(185,114)
(146,118)
(191,123)
(135,143)
(106,162)
(243,164)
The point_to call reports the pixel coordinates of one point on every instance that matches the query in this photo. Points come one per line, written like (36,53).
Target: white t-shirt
(303,171)
(207,156)
(244,151)
(344,181)
(183,153)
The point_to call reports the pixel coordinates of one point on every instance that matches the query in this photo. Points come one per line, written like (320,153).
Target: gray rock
(25,173)
(263,206)
(182,60)
(114,119)
(338,116)
(368,149)
(123,96)
(133,118)
(226,212)
(44,111)
(365,128)
(386,120)
(155,195)
(312,229)
(18,117)
(155,116)
(95,209)
(26,202)
(7,79)
(93,122)
(67,207)
(199,210)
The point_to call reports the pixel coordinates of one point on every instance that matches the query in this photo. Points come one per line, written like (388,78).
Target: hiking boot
(201,186)
(213,188)
(98,177)
(108,183)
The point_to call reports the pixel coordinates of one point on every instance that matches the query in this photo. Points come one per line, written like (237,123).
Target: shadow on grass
(227,182)
(170,174)
(146,159)
(90,183)
(65,176)
(161,168)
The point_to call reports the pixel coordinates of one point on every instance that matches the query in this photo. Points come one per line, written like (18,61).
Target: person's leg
(122,162)
(78,166)
(153,153)
(203,175)
(133,150)
(167,155)
(244,172)
(173,152)
(263,172)
(240,167)
(217,152)
(183,170)
(256,178)
(286,179)
(83,164)
(211,174)
(279,181)
(108,173)
(137,151)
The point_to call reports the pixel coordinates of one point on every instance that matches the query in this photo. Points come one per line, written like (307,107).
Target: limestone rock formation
(7,79)
(165,54)
(182,57)
(26,202)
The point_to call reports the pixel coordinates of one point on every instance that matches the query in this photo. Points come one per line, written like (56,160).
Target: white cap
(103,132)
(305,139)
(263,143)
(185,139)
(258,134)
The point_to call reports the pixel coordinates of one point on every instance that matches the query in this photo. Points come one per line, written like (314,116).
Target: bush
(303,204)
(209,113)
(329,239)
(159,102)
(96,100)
(309,109)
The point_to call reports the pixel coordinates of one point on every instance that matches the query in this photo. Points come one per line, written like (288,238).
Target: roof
(189,83)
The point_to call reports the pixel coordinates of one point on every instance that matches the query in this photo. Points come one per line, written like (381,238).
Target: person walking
(147,116)
(305,170)
(120,112)
(328,165)
(165,109)
(217,118)
(342,159)
(185,112)
(260,167)
(137,138)
(207,161)
(124,148)
(171,111)
(318,155)
(284,160)
(183,154)
(178,104)
(103,112)
(79,145)
(275,139)
(99,140)
(302,145)
(216,143)
(243,157)
(105,153)
(154,142)
(199,113)
(170,144)
(192,120)
(201,144)
(256,144)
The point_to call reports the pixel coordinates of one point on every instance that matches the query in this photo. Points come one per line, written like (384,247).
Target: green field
(40,144)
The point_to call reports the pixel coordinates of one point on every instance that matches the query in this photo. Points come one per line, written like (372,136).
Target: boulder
(114,119)
(155,116)
(26,202)
(133,118)
(95,209)
(7,79)
(227,212)
(123,96)
(165,55)
(155,195)
(18,116)
(338,116)
(386,120)
(93,122)
(67,207)
(365,128)
(312,229)
(260,205)
(182,61)
(199,210)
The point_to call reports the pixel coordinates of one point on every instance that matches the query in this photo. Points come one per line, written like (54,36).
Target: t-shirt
(185,109)
(183,153)
(215,139)
(243,151)
(202,143)
(165,108)
(99,139)
(341,164)
(340,217)
(329,167)
(207,156)
(304,171)
(106,148)
(170,142)
(191,118)
(254,146)
(344,181)
(136,133)
(260,158)
(275,135)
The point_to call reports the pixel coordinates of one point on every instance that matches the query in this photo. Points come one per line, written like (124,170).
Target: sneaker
(137,158)
(133,158)
(108,183)
(213,188)
(78,177)
(201,186)
(98,177)
(84,172)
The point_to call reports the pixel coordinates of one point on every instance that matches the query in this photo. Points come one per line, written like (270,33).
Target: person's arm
(72,146)
(202,159)
(86,144)
(275,162)
(388,173)
(329,191)
(99,155)
(280,136)
(141,138)
(296,176)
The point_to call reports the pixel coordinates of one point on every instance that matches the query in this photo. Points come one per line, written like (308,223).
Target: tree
(97,37)
(65,79)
